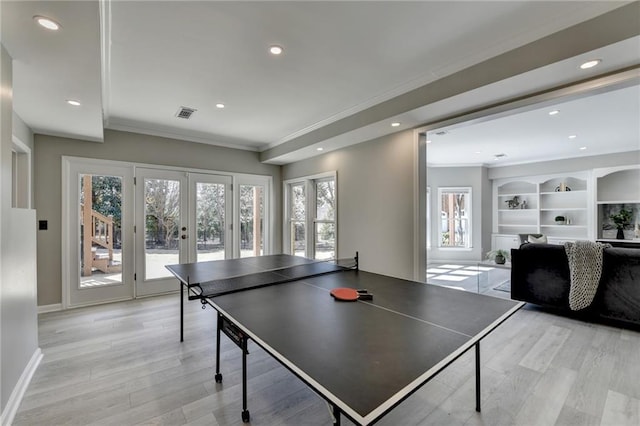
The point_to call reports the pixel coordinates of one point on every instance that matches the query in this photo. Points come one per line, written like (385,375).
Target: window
(252,234)
(324,221)
(454,226)
(251,221)
(310,217)
(298,219)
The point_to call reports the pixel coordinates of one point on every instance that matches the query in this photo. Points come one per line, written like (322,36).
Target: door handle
(184,237)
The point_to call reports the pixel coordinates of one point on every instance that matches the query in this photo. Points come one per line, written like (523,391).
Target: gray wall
(22,131)
(18,322)
(476,178)
(375,201)
(123,146)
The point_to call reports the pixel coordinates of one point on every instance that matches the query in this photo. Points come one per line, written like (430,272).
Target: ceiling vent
(441,133)
(185,112)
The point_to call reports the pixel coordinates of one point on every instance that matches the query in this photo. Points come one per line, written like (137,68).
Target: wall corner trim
(9,412)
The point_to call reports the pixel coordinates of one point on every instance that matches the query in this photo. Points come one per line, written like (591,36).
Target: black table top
(363,356)
(196,273)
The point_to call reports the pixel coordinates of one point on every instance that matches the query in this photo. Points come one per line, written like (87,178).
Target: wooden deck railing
(98,230)
(102,231)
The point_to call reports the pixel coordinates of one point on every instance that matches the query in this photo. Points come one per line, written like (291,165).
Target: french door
(97,249)
(122,224)
(210,218)
(180,217)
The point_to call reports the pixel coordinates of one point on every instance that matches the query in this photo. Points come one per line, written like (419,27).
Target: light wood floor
(122,364)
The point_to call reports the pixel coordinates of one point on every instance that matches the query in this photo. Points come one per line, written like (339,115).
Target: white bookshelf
(546,196)
(617,188)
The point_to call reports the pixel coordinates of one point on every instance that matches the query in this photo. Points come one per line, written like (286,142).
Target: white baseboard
(10,410)
(50,308)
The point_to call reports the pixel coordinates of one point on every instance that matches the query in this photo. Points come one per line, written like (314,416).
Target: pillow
(541,240)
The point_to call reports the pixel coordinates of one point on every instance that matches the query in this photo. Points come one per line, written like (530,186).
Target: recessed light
(478,152)
(47,23)
(428,140)
(554,112)
(582,148)
(590,64)
(73,102)
(319,148)
(395,124)
(275,50)
(572,136)
(220,106)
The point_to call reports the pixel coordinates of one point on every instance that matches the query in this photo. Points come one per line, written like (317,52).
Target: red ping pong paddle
(350,295)
(345,294)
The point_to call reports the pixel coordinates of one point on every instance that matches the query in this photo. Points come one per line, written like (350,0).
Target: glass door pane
(325,227)
(100,230)
(325,241)
(210,221)
(161,228)
(298,214)
(251,220)
(210,217)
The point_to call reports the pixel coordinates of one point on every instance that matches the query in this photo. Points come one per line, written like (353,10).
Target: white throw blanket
(585,266)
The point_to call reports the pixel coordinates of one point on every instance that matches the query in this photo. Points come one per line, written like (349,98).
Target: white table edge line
(417,383)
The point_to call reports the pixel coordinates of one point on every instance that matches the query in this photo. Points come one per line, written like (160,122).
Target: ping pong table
(364,357)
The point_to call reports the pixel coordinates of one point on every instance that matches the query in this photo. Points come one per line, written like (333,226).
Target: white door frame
(72,294)
(129,240)
(194,179)
(165,284)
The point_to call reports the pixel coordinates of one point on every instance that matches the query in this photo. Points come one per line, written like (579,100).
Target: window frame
(468,191)
(309,183)
(290,220)
(428,218)
(269,215)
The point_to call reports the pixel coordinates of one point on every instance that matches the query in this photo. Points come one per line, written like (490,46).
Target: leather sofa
(540,275)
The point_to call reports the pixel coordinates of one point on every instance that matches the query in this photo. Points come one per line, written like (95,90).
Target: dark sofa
(540,275)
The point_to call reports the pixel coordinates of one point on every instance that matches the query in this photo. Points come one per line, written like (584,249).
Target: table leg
(218,376)
(478,376)
(181,311)
(336,416)
(245,413)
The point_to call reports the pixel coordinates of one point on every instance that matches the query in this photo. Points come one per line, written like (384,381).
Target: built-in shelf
(619,202)
(518,194)
(546,196)
(562,193)
(586,199)
(563,226)
(617,188)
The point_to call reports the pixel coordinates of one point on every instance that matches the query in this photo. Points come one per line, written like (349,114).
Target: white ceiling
(599,124)
(134,64)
